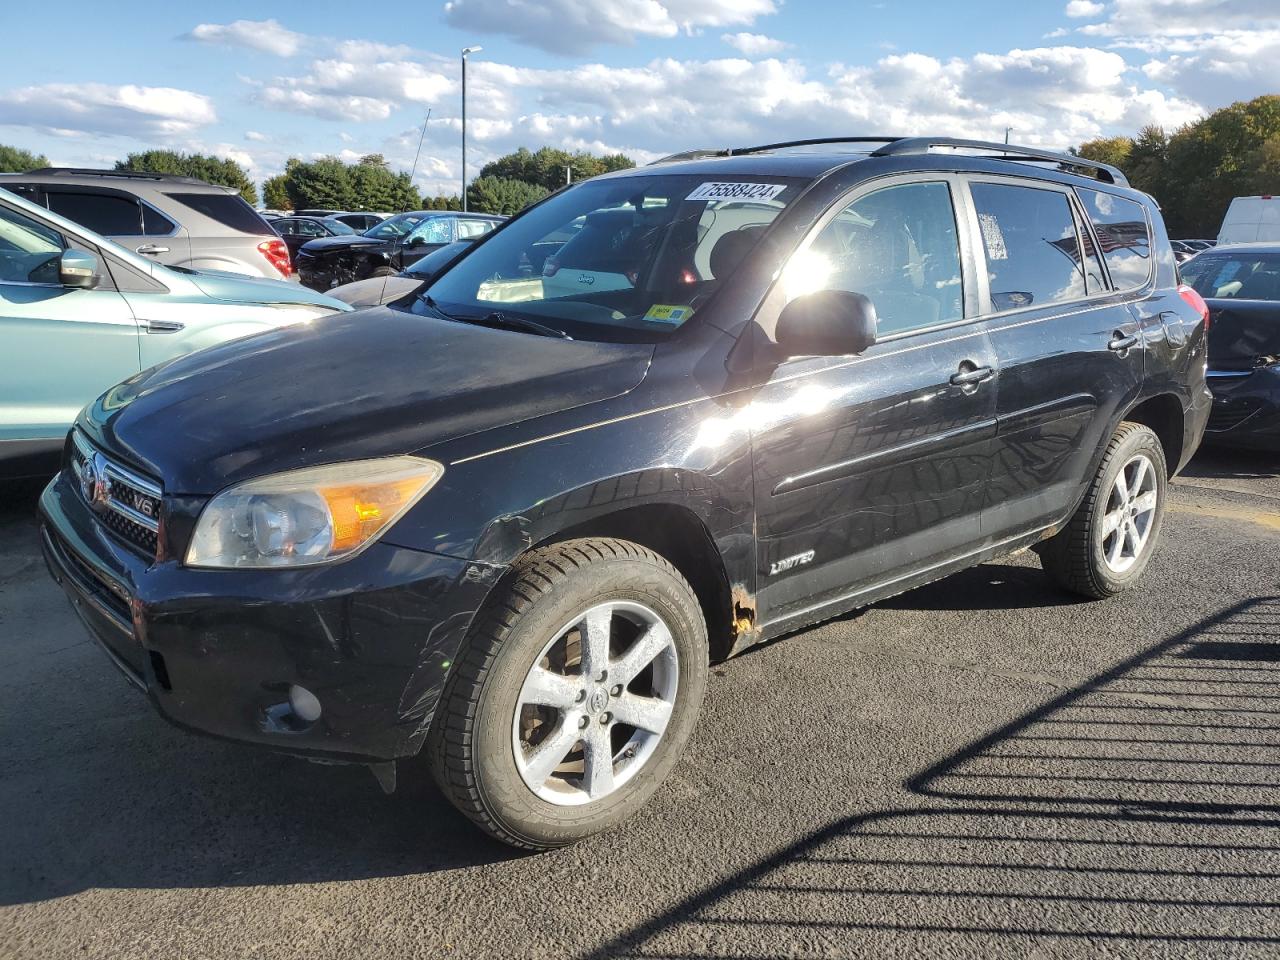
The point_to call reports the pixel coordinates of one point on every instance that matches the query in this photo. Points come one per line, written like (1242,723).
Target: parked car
(295,231)
(177,221)
(388,248)
(379,290)
(1251,220)
(1183,250)
(360,222)
(79,313)
(512,525)
(1241,284)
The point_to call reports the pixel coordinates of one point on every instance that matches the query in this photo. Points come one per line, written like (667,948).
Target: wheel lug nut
(606,717)
(582,695)
(582,723)
(616,691)
(604,675)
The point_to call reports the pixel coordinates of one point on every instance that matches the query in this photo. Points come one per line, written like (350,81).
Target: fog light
(304,704)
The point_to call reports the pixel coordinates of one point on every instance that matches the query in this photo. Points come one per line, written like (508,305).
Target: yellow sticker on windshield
(664,313)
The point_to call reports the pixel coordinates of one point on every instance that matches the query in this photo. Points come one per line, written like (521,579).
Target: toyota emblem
(93,481)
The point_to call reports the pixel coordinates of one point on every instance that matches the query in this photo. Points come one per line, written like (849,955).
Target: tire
(1083,557)
(489,709)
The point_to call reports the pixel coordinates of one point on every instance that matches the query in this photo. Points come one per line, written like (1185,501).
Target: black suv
(511,518)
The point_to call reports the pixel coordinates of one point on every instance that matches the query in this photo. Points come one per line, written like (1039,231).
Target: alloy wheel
(1131,509)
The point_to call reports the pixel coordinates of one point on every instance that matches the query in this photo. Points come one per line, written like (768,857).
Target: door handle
(151,248)
(163,326)
(972,377)
(1120,343)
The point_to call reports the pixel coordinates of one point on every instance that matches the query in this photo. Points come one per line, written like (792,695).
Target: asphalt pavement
(984,767)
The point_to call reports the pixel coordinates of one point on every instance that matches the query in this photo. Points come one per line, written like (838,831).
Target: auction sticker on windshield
(736,191)
(665,313)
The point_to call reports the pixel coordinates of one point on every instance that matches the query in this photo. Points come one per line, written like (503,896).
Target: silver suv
(177,221)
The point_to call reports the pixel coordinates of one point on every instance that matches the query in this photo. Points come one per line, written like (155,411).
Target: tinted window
(156,224)
(1121,226)
(29,251)
(1029,236)
(435,230)
(395,227)
(1095,277)
(896,246)
(227,209)
(1241,276)
(111,216)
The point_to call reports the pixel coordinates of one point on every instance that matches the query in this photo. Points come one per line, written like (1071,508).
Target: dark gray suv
(179,221)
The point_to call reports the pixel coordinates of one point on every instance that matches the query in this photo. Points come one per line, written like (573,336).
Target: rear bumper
(1246,410)
(216,651)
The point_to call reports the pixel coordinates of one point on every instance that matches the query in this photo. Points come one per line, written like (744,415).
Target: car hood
(1241,331)
(238,288)
(323,245)
(376,290)
(348,386)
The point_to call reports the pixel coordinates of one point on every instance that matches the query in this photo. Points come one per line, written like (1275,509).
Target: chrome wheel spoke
(1139,475)
(1146,502)
(641,653)
(546,756)
(1121,486)
(1117,546)
(549,689)
(1112,520)
(597,777)
(596,627)
(643,713)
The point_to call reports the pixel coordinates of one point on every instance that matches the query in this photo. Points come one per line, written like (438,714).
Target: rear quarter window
(227,209)
(1123,234)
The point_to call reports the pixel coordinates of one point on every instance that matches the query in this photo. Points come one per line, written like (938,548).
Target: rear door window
(1032,250)
(228,209)
(108,214)
(1123,233)
(468,229)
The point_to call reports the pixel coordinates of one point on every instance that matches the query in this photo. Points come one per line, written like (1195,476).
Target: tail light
(277,255)
(1196,302)
(550,267)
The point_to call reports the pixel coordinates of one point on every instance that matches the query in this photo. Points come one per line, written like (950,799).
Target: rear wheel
(575,695)
(1107,544)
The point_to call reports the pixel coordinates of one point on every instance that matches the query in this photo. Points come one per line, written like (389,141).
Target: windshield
(339,228)
(1241,276)
(622,258)
(396,227)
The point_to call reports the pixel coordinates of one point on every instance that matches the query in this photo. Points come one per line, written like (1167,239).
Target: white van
(1250,220)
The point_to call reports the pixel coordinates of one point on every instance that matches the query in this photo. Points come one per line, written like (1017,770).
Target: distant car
(316,212)
(1201,244)
(388,248)
(1241,284)
(376,291)
(1251,220)
(79,313)
(360,222)
(1183,250)
(295,231)
(173,220)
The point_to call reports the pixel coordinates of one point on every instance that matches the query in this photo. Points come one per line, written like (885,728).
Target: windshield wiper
(496,319)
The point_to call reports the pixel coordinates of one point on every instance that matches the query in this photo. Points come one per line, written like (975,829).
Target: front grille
(125,503)
(1229,414)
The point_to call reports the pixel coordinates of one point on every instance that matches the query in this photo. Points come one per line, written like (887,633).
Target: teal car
(79,313)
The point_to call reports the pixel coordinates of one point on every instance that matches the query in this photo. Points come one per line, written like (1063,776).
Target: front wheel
(1106,546)
(575,695)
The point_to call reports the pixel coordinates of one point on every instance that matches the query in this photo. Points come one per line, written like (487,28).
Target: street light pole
(466,51)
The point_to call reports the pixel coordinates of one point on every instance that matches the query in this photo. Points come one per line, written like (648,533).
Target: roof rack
(124,174)
(1004,151)
(697,154)
(740,151)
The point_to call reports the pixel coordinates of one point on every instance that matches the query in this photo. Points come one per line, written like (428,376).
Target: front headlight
(308,516)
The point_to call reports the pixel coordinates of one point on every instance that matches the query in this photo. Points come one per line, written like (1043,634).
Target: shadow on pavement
(1222,463)
(1138,814)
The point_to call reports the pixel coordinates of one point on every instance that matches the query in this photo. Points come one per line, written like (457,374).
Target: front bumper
(1246,409)
(216,650)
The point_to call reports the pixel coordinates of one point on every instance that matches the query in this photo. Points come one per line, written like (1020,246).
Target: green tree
(503,195)
(275,195)
(18,160)
(549,167)
(325,182)
(377,188)
(442,203)
(210,169)
(1112,150)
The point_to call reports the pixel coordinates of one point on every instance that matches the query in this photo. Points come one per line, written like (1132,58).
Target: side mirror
(829,323)
(77,268)
(418,241)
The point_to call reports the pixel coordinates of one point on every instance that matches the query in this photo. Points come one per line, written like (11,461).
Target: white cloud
(359,90)
(255,136)
(1173,18)
(323,105)
(267,36)
(1230,66)
(572,27)
(128,110)
(1084,8)
(754,44)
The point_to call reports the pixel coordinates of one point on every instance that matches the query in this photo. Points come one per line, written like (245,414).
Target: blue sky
(644,76)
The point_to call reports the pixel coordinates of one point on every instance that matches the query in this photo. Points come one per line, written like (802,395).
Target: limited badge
(666,313)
